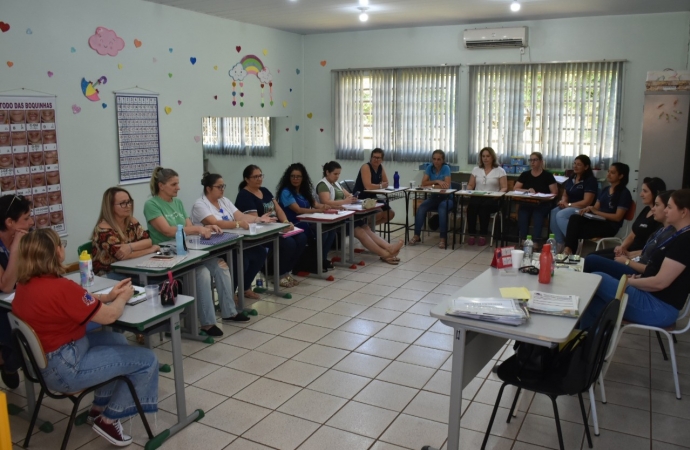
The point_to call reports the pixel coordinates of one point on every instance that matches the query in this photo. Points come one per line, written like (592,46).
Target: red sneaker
(482,241)
(112,432)
(93,413)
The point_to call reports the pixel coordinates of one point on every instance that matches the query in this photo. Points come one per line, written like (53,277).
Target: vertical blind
(237,136)
(408,112)
(560,109)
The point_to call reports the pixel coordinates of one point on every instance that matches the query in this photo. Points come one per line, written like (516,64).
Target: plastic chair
(88,246)
(494,216)
(629,217)
(34,360)
(349,185)
(583,368)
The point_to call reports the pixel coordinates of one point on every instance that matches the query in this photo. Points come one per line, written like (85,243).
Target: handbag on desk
(169,290)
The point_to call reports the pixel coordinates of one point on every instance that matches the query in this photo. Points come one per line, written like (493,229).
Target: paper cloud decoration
(265,76)
(237,72)
(106,42)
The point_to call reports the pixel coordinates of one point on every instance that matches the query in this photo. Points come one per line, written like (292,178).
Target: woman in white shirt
(487,177)
(213,208)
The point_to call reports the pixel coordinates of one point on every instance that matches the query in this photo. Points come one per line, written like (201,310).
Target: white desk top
(131,265)
(99,283)
(359,208)
(480,194)
(432,191)
(262,229)
(541,329)
(328,218)
(539,196)
(149,311)
(386,191)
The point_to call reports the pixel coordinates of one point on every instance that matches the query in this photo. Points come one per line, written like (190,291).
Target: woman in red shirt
(58,310)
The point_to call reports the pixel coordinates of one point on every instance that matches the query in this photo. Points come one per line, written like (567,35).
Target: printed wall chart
(29,156)
(138,136)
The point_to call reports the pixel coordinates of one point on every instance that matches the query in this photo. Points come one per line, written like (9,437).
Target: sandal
(392,260)
(292,280)
(414,240)
(251,294)
(442,244)
(285,282)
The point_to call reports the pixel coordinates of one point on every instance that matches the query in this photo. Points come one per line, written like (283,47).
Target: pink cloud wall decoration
(106,42)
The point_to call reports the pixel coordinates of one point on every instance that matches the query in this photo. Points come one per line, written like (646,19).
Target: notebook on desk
(138,296)
(161,263)
(218,238)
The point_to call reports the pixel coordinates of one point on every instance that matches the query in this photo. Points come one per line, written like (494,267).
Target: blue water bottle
(396,180)
(179,241)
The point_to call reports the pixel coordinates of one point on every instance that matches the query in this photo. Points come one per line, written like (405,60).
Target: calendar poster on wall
(138,136)
(30,156)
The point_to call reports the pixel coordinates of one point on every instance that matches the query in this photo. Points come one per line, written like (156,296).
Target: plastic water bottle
(552,242)
(85,269)
(528,247)
(396,180)
(179,241)
(545,264)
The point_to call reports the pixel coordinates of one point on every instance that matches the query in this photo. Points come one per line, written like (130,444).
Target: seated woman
(118,235)
(58,310)
(645,225)
(536,180)
(15,222)
(295,194)
(372,176)
(632,263)
(164,212)
(213,208)
(437,175)
(579,191)
(331,194)
(607,214)
(256,200)
(656,296)
(489,177)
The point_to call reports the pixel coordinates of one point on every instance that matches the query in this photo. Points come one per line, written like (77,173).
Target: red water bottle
(545,260)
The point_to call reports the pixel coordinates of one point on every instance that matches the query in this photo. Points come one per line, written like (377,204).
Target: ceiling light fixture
(363,17)
(363,2)
(515,6)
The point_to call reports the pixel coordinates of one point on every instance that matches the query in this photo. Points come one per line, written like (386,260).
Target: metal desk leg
(319,249)
(192,328)
(407,217)
(342,240)
(351,250)
(276,269)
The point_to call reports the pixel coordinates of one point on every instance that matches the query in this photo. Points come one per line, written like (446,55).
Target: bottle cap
(552,236)
(529,236)
(84,256)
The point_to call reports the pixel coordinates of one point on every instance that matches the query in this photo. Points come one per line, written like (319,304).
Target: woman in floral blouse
(118,235)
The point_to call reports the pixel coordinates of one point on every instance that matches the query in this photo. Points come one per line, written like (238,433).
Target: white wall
(648,42)
(88,140)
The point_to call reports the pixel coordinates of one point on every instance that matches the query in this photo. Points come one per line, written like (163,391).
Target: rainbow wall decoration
(250,64)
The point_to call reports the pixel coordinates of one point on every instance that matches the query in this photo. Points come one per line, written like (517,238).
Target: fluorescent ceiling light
(515,6)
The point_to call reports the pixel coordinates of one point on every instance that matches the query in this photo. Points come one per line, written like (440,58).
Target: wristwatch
(237,224)
(627,262)
(569,205)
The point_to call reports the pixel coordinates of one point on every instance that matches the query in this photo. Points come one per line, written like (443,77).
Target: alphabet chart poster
(29,157)
(138,136)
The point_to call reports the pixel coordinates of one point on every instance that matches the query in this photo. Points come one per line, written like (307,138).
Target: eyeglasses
(257,177)
(16,197)
(377,157)
(126,204)
(221,186)
(296,177)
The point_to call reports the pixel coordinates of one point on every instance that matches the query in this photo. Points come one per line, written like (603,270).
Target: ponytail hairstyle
(160,175)
(622,169)
(208,180)
(584,159)
(330,167)
(246,174)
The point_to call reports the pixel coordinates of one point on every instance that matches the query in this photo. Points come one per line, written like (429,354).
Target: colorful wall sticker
(137,43)
(76,109)
(106,42)
(10,64)
(250,64)
(192,60)
(4,27)
(28,31)
(88,88)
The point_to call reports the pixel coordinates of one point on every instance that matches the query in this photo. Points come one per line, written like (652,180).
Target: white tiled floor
(359,364)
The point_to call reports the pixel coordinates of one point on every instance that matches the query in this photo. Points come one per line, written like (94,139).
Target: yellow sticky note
(515,292)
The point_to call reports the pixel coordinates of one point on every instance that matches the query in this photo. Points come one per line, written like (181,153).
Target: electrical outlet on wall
(522,50)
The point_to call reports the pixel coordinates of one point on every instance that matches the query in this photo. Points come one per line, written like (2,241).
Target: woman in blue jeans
(436,176)
(656,296)
(58,310)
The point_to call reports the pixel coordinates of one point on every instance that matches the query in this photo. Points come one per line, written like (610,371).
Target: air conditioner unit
(495,37)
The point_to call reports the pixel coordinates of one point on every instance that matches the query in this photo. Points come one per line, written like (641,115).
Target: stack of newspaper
(500,310)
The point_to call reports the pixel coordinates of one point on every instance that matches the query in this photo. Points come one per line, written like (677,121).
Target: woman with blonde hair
(58,310)
(118,235)
(488,177)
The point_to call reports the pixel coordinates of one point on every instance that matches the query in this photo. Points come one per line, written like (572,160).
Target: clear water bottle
(85,269)
(396,180)
(528,247)
(179,241)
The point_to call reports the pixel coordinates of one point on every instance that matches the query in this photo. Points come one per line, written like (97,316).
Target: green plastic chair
(86,246)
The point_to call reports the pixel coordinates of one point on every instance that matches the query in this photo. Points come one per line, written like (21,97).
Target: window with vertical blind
(237,136)
(407,112)
(560,109)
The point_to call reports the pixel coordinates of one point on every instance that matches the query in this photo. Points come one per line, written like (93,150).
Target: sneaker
(470,240)
(482,241)
(236,318)
(213,331)
(11,379)
(93,413)
(112,432)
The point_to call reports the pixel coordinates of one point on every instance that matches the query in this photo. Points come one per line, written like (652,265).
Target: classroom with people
(345,224)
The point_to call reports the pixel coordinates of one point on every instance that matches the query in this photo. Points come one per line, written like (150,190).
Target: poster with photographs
(29,156)
(137,128)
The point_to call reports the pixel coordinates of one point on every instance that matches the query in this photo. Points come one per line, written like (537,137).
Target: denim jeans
(218,269)
(535,212)
(643,308)
(254,259)
(596,263)
(559,222)
(441,203)
(97,357)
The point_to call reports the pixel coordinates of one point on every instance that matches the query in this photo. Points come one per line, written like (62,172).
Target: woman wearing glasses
(164,212)
(536,180)
(15,222)
(487,177)
(118,235)
(213,208)
(256,200)
(295,193)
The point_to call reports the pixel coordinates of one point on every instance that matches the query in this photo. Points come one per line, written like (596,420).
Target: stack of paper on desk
(499,310)
(553,304)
